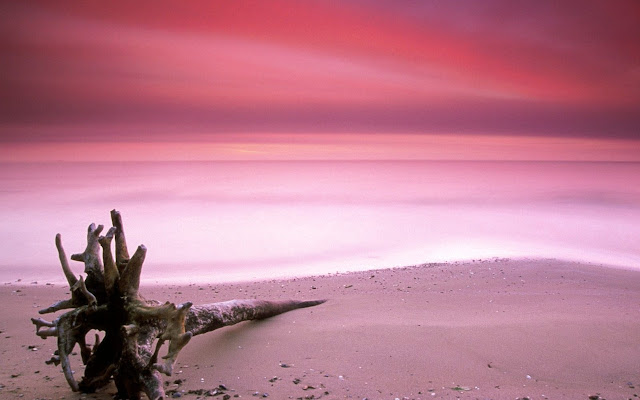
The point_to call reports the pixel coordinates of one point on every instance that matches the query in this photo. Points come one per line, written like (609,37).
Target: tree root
(108,300)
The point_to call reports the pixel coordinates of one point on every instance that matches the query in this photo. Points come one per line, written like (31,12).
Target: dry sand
(496,329)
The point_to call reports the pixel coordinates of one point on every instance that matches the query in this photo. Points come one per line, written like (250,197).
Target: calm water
(219,221)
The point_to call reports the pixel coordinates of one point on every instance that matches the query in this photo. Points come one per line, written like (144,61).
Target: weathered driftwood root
(109,301)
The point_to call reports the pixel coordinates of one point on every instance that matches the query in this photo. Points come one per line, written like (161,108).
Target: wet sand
(492,329)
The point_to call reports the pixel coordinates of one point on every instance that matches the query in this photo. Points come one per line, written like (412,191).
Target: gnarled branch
(122,254)
(111,273)
(90,256)
(71,278)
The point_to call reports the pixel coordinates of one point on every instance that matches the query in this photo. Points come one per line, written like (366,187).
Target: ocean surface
(236,220)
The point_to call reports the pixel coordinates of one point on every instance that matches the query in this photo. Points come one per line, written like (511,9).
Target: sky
(350,79)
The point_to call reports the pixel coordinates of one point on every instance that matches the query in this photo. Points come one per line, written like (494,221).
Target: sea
(222,221)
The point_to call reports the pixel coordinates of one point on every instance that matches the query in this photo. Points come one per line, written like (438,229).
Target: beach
(434,199)
(483,329)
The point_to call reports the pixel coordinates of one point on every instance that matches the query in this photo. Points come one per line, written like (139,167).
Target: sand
(494,329)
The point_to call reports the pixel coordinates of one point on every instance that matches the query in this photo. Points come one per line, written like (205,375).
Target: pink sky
(320,80)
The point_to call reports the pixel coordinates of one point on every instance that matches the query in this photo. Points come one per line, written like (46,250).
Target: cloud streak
(123,71)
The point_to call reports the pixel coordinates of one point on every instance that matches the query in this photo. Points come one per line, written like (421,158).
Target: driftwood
(108,300)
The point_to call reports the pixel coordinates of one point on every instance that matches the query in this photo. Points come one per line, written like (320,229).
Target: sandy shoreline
(498,329)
